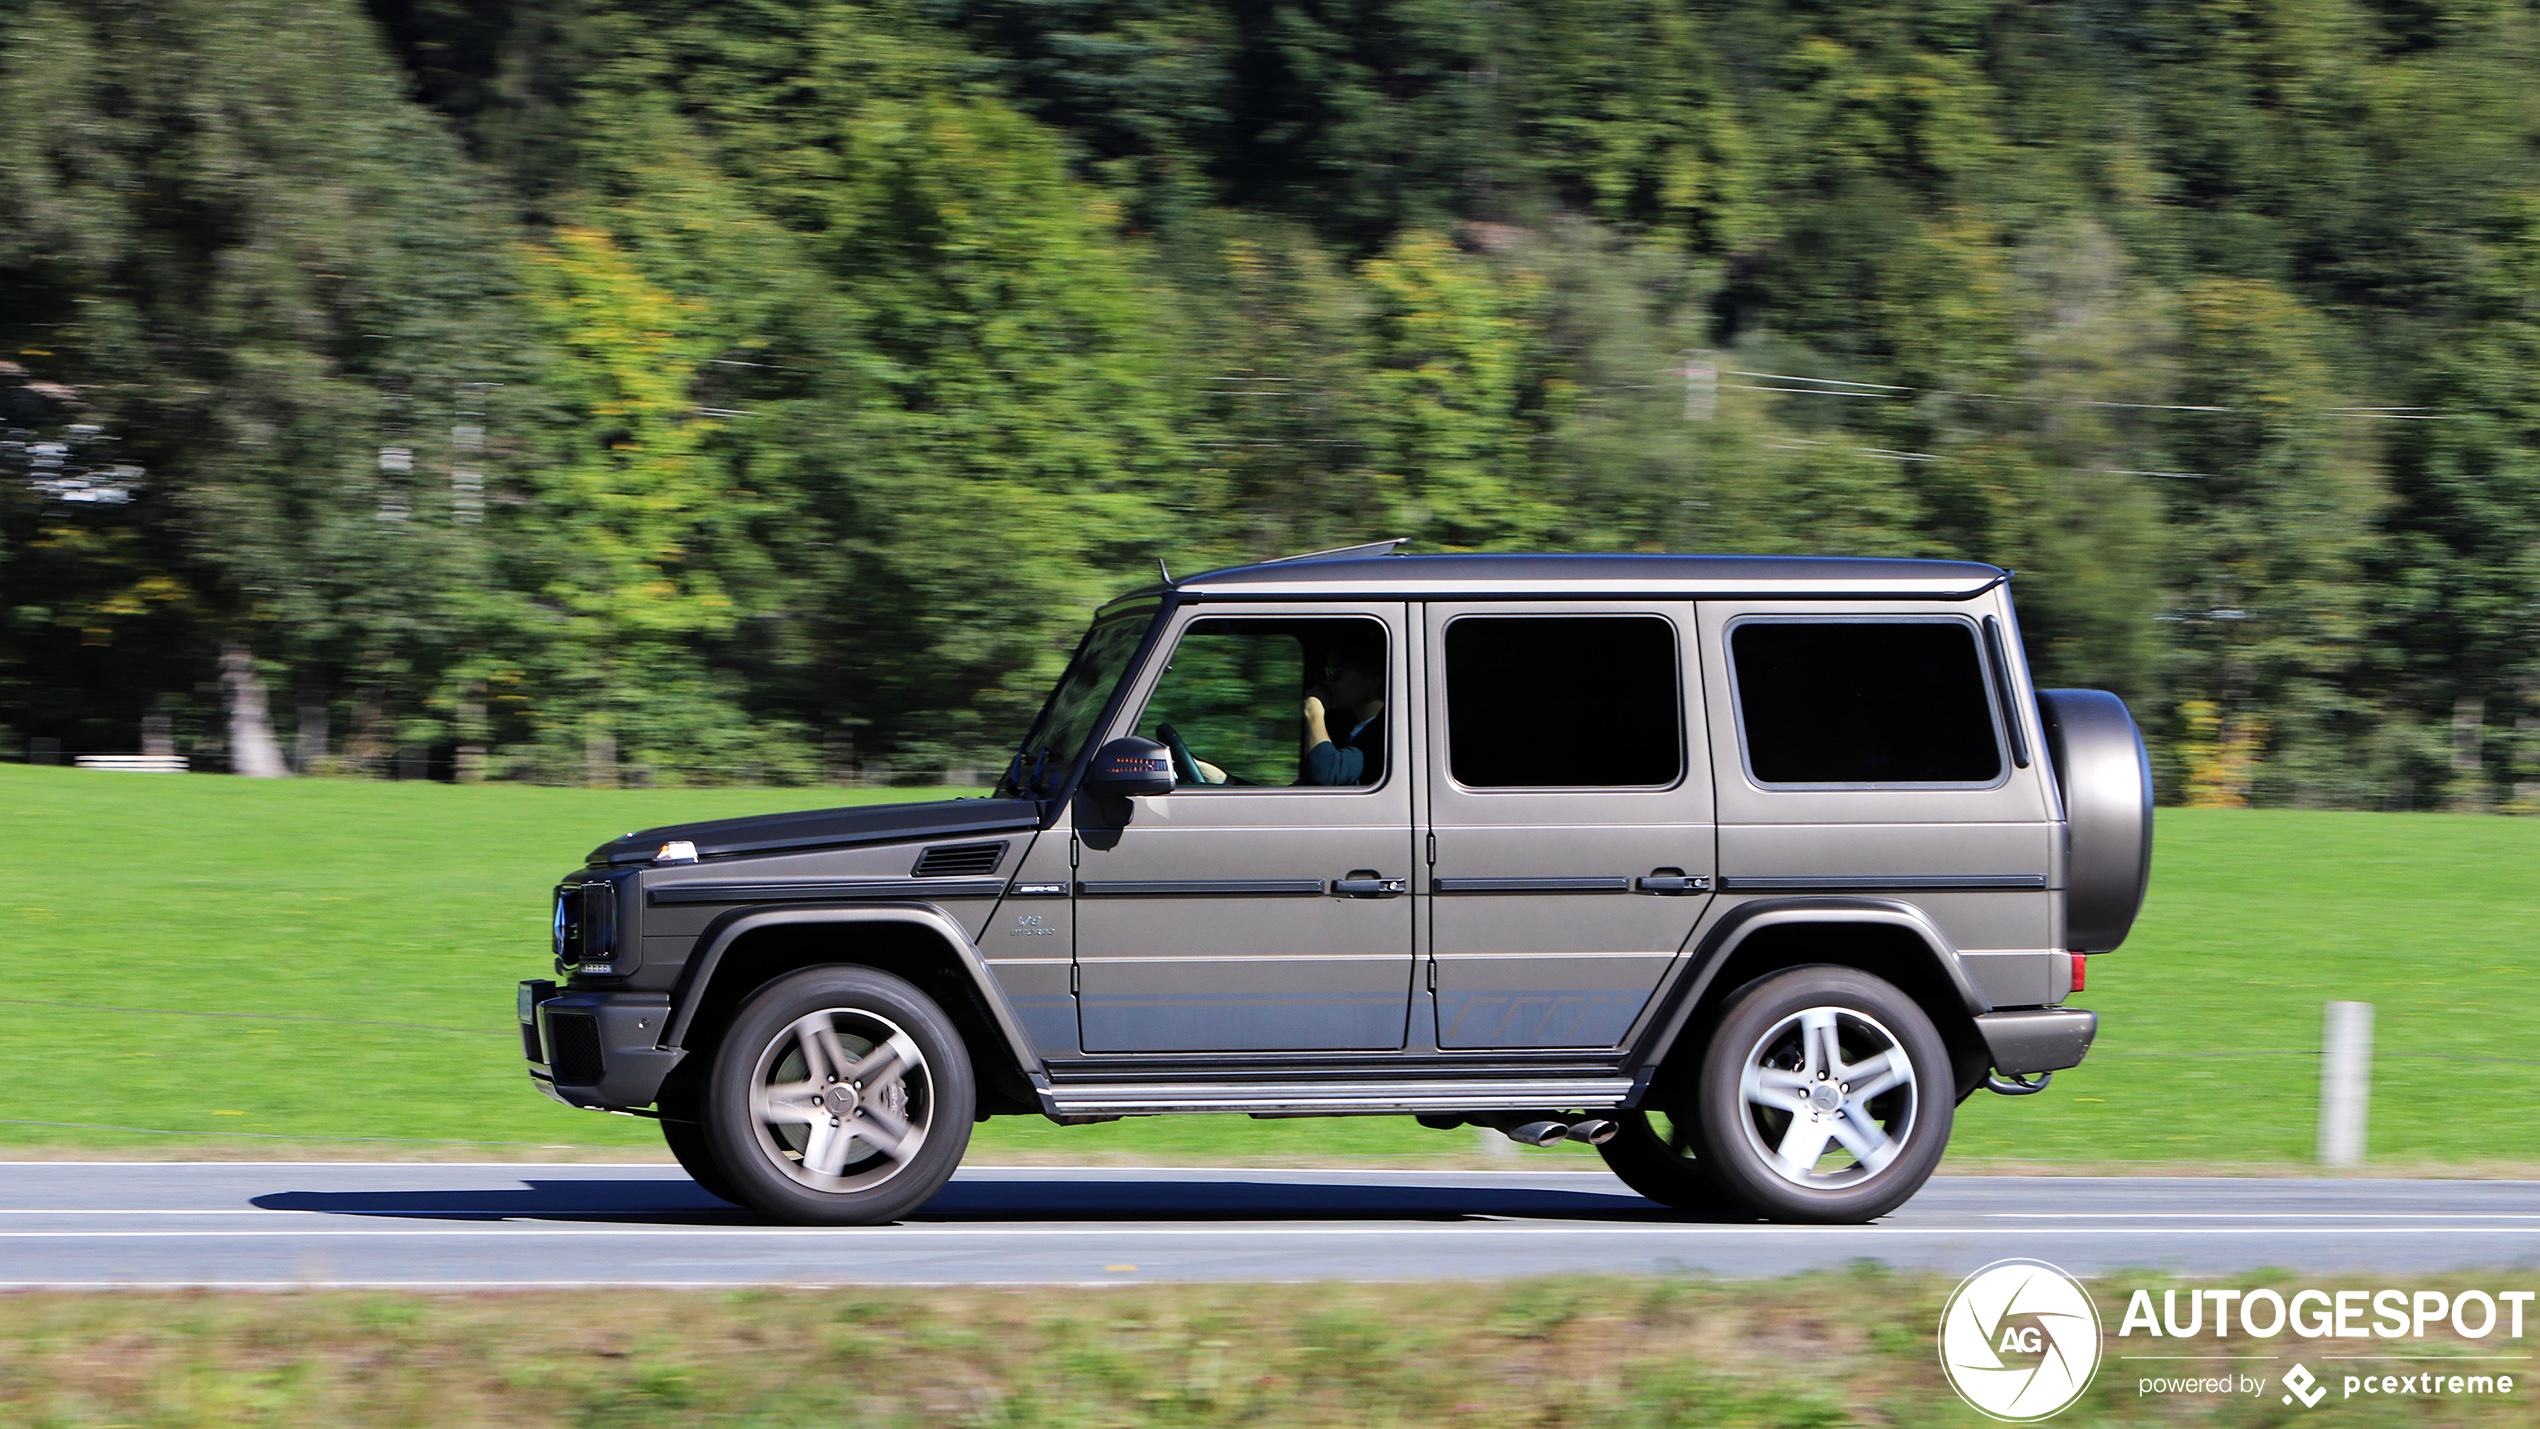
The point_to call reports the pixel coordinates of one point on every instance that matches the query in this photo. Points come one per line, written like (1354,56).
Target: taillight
(2081,971)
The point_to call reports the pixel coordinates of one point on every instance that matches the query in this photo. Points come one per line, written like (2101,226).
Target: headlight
(569,924)
(599,922)
(586,922)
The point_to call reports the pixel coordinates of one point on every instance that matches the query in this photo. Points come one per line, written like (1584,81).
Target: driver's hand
(1314,709)
(1208,773)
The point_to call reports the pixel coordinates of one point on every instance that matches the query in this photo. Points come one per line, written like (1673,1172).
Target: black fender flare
(689,992)
(1721,942)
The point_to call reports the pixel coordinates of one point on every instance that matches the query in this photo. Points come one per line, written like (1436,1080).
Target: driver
(1344,717)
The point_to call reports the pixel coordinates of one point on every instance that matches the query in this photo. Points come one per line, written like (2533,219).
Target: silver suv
(1743,870)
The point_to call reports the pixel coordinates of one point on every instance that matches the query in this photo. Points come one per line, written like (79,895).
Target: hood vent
(959,860)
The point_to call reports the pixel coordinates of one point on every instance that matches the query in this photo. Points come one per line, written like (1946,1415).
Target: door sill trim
(1363,1097)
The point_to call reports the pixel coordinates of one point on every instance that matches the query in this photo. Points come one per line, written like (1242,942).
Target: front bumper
(598,1050)
(2038,1039)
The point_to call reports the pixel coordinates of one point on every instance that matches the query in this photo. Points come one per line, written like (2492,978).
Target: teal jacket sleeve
(1328,764)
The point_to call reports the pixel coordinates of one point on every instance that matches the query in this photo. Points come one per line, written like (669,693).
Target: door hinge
(1433,850)
(1075,851)
(1075,978)
(1433,974)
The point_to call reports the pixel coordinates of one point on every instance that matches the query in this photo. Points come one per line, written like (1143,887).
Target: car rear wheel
(1824,1094)
(838,1096)
(1652,1152)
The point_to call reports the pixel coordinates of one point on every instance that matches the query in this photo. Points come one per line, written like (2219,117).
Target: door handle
(1367,883)
(1671,880)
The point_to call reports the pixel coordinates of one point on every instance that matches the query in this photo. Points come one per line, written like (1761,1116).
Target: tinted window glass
(1273,702)
(1059,734)
(1869,702)
(1562,702)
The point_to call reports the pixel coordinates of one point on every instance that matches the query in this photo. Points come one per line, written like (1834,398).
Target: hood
(827,828)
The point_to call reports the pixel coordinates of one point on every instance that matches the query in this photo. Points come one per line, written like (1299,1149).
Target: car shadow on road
(667,1202)
(625,1202)
(1167,1199)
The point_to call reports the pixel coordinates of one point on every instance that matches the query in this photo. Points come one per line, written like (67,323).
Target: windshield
(1059,735)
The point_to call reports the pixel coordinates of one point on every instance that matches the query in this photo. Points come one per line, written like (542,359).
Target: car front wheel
(1824,1095)
(839,1096)
(687,1140)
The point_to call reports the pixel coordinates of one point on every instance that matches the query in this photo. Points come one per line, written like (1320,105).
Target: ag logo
(2019,1340)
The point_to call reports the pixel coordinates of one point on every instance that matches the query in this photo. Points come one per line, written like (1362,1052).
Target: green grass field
(2210,1015)
(1852,1347)
(374,931)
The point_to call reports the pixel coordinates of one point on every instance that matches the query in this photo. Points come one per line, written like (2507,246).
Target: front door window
(1273,704)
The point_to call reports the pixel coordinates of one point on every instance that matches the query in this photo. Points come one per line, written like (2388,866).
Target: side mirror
(1129,767)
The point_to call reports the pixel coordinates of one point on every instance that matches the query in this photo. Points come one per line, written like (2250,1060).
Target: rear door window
(1864,703)
(1563,702)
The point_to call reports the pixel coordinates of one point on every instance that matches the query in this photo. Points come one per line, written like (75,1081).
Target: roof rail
(1341,553)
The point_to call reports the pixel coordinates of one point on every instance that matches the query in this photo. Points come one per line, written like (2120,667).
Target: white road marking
(2267,1215)
(516,1228)
(394,1214)
(2072,1220)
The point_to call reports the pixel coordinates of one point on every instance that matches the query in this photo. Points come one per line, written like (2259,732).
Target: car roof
(1505,577)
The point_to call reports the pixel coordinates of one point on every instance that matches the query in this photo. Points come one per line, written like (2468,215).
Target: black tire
(687,1142)
(826,1147)
(1892,1131)
(1652,1152)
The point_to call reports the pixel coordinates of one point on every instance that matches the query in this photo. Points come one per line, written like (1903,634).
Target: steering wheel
(1185,768)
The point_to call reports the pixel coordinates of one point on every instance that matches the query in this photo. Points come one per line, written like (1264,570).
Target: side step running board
(1307,1098)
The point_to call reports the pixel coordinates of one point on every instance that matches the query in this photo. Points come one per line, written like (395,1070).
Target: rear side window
(1563,702)
(1864,702)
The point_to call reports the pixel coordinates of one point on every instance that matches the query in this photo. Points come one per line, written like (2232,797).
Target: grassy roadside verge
(391,918)
(1855,1347)
(375,929)
(2210,1015)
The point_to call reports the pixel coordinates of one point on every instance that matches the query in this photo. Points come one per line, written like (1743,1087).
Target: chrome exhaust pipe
(1536,1133)
(1594,1132)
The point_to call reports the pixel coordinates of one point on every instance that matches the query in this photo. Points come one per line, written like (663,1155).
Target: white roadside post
(2345,1082)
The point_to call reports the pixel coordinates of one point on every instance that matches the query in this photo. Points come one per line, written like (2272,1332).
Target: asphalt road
(316,1224)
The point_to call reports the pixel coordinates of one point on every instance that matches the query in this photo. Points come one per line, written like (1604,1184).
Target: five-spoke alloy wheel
(839,1096)
(1824,1094)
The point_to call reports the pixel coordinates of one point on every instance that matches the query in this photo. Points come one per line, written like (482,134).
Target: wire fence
(2314,1052)
(329,1137)
(505,1030)
(447,765)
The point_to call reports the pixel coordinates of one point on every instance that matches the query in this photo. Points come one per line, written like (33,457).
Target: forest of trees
(732,390)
